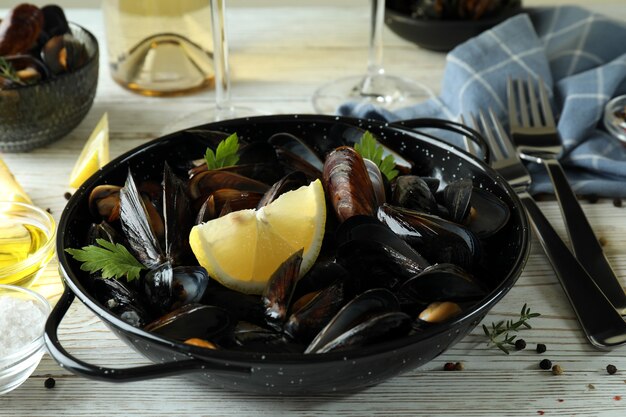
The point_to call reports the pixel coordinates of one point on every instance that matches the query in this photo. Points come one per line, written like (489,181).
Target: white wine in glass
(223,108)
(387,91)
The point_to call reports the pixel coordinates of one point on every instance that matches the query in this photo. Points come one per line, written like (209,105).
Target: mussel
(119,299)
(167,287)
(438,240)
(348,185)
(481,211)
(193,321)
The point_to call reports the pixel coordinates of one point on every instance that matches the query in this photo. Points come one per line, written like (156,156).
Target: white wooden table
(279,56)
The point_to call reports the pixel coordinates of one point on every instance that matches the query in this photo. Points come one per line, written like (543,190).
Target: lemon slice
(95,154)
(243,249)
(10,189)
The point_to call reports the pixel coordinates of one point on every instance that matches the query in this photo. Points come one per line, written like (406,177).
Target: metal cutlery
(537,140)
(601,323)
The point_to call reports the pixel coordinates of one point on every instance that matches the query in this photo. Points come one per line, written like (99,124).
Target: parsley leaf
(225,155)
(112,259)
(369,148)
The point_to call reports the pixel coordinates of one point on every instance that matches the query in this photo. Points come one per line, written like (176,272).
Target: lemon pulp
(243,249)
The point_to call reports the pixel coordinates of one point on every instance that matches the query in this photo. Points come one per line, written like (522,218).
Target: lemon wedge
(10,189)
(243,249)
(95,154)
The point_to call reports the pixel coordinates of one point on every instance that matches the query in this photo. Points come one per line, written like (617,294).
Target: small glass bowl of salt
(23,314)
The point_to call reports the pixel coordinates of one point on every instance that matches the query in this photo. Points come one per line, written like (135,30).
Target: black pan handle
(138,373)
(450,126)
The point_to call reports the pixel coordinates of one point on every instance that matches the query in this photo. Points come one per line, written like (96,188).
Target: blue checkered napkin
(582,58)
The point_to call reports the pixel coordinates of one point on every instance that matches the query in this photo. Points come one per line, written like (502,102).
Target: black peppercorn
(520,344)
(617,202)
(541,348)
(545,364)
(449,366)
(611,369)
(49,383)
(67,195)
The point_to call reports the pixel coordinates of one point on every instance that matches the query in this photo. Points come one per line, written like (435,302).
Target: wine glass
(376,86)
(223,108)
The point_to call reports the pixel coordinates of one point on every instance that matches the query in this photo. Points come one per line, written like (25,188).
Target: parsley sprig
(369,148)
(225,155)
(503,334)
(7,71)
(113,259)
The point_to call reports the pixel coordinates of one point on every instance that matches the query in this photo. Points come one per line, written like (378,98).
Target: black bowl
(440,35)
(280,373)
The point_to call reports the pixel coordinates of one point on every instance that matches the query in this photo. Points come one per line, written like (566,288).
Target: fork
(601,323)
(537,140)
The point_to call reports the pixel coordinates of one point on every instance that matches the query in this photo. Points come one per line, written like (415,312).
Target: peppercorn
(541,348)
(593,198)
(617,202)
(545,364)
(449,366)
(602,241)
(67,195)
(459,366)
(557,370)
(611,369)
(49,383)
(520,344)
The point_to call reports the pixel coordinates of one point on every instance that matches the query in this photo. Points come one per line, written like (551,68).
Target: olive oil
(160,47)
(19,241)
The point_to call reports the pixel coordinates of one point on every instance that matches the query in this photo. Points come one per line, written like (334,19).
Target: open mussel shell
(103,230)
(320,276)
(443,282)
(378,328)
(414,193)
(488,214)
(64,53)
(289,182)
(104,201)
(434,314)
(277,294)
(481,211)
(348,185)
(139,225)
(456,198)
(379,182)
(176,216)
(120,300)
(226,200)
(437,239)
(359,309)
(168,287)
(243,307)
(193,321)
(369,228)
(251,337)
(205,183)
(293,145)
(303,325)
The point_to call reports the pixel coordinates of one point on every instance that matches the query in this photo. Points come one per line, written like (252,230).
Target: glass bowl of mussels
(48,76)
(418,241)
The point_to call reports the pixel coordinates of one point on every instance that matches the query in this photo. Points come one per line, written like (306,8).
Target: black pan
(280,373)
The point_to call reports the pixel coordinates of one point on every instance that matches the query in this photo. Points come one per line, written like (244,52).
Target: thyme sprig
(503,333)
(7,71)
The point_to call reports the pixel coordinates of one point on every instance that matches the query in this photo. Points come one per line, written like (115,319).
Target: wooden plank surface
(280,54)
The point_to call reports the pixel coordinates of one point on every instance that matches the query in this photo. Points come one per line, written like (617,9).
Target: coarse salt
(21,322)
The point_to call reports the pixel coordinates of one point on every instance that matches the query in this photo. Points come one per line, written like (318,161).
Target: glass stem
(375,60)
(220,57)
(373,83)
